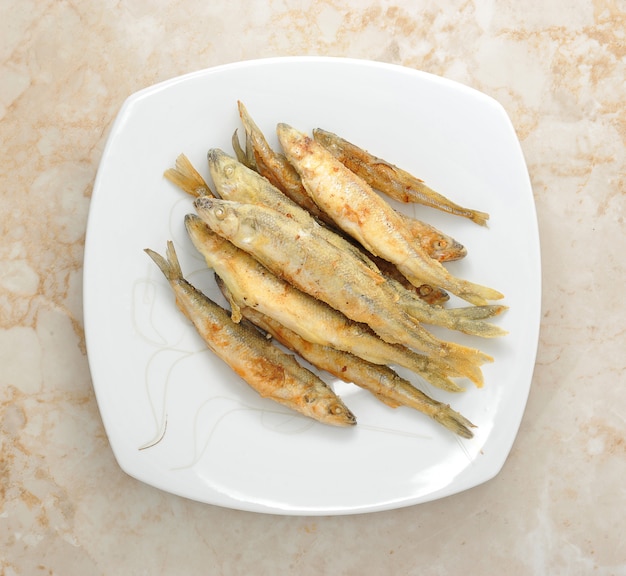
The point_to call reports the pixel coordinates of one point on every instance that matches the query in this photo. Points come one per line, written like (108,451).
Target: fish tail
(468,370)
(469,320)
(479,328)
(442,382)
(254,136)
(239,151)
(187,178)
(449,352)
(477,294)
(477,312)
(479,217)
(170,266)
(462,361)
(386,400)
(453,421)
(400,391)
(435,371)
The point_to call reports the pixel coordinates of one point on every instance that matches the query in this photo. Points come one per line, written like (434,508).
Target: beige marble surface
(557,507)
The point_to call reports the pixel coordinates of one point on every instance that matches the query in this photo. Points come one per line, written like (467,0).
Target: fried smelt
(367,217)
(267,369)
(381,381)
(223,168)
(234,180)
(279,171)
(391,180)
(250,284)
(322,270)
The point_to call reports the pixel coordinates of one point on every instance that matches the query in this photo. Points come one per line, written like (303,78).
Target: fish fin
(187,178)
(374,273)
(388,401)
(235,310)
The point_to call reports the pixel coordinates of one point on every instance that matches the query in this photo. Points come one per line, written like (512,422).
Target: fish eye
(337,409)
(220,213)
(228,171)
(425,290)
(441,244)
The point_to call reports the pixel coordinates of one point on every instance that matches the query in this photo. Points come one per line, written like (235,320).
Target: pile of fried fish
(309,253)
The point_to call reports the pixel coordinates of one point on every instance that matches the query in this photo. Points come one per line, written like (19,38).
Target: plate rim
(126,108)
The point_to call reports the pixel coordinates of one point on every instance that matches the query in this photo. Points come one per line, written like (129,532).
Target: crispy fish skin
(248,284)
(188,179)
(234,181)
(363,214)
(381,381)
(237,181)
(279,171)
(268,370)
(320,269)
(390,179)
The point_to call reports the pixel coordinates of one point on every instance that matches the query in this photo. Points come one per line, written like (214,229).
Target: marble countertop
(557,506)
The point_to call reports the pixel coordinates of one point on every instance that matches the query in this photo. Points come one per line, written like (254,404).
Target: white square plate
(176,417)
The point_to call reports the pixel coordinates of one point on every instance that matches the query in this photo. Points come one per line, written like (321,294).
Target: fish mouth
(460,249)
(340,415)
(211,210)
(213,155)
(203,203)
(191,220)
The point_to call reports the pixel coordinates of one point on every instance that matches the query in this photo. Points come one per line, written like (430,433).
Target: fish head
(195,226)
(203,238)
(334,412)
(220,215)
(226,172)
(446,249)
(294,142)
(327,139)
(234,221)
